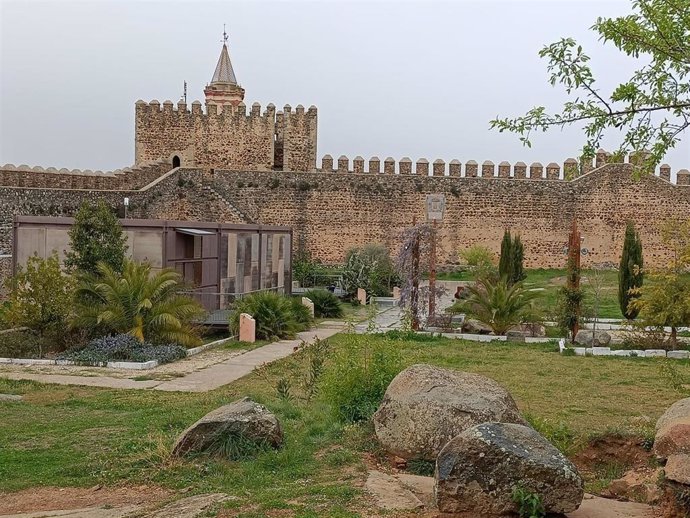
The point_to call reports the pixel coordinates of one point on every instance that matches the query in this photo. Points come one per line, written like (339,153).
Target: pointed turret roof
(224,72)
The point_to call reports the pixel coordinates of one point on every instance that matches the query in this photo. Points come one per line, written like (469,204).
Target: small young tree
(41,298)
(96,237)
(665,301)
(518,255)
(630,274)
(569,311)
(505,262)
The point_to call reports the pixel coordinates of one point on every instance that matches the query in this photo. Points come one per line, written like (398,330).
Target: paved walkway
(202,380)
(390,319)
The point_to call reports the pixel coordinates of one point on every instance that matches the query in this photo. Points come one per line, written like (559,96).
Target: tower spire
(223,89)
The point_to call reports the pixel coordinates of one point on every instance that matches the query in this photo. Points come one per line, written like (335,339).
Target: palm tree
(138,302)
(498,304)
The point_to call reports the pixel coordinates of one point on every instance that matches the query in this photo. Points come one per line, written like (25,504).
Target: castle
(227,163)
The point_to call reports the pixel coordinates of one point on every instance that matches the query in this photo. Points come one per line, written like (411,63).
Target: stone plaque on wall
(435,206)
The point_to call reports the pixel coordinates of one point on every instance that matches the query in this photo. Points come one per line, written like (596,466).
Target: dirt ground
(54,498)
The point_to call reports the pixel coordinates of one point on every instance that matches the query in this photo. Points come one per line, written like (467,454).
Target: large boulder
(673,430)
(424,407)
(590,338)
(243,422)
(478,471)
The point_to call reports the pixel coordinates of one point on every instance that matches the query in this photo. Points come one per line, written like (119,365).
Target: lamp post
(126,204)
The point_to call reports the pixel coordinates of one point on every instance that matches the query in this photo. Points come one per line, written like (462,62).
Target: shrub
(96,237)
(326,305)
(478,257)
(138,302)
(41,298)
(498,304)
(371,268)
(123,348)
(23,344)
(301,313)
(274,314)
(359,374)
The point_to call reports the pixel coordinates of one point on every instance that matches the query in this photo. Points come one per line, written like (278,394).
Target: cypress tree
(518,271)
(505,263)
(630,274)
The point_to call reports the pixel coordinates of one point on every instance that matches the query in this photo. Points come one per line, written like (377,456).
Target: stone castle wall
(229,138)
(333,211)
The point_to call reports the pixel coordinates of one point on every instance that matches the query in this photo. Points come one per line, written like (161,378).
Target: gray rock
(390,493)
(424,407)
(475,327)
(678,468)
(591,338)
(244,421)
(530,329)
(673,430)
(477,472)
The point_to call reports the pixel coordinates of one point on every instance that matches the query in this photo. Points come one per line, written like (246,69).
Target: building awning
(194,231)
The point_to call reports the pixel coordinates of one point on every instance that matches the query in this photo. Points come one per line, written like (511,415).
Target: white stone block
(5,360)
(601,351)
(308,304)
(655,353)
(362,296)
(678,355)
(580,351)
(588,351)
(133,365)
(29,361)
(247,328)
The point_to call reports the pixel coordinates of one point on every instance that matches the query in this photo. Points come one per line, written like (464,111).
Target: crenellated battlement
(231,136)
(570,169)
(128,178)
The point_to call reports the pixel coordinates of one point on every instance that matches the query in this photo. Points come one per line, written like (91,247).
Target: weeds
(529,504)
(559,434)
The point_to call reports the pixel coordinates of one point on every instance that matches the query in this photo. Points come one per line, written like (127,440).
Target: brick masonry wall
(332,212)
(235,138)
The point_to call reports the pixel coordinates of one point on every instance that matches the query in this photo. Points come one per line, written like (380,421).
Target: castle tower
(223,89)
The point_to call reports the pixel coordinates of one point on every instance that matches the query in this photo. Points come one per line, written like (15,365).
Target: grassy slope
(82,436)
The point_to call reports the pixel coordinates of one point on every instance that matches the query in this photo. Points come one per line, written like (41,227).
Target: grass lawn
(80,436)
(549,281)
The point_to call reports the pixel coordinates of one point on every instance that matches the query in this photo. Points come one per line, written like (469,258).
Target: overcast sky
(417,79)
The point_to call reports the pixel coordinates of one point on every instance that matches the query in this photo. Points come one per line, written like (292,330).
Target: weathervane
(225,36)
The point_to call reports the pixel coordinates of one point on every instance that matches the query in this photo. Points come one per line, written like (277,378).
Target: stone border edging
(635,353)
(151,364)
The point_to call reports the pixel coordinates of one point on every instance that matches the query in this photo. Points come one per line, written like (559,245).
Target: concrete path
(203,380)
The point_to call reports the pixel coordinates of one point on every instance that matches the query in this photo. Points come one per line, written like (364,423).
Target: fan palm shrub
(498,304)
(137,302)
(326,305)
(275,315)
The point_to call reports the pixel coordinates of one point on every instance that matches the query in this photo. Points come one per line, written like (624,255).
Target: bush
(96,237)
(301,313)
(498,304)
(359,374)
(275,315)
(41,299)
(326,305)
(138,302)
(478,257)
(371,268)
(23,344)
(123,348)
